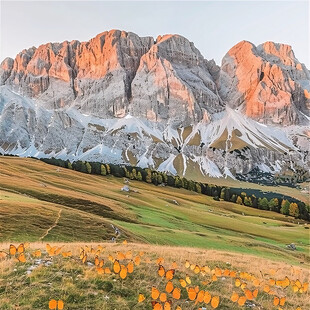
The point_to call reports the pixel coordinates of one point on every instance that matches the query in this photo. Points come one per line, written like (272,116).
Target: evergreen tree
(171,180)
(285,207)
(243,195)
(293,210)
(215,192)
(247,201)
(165,178)
(197,188)
(116,170)
(223,193)
(239,200)
(303,211)
(185,183)
(274,204)
(177,182)
(154,178)
(88,167)
(191,185)
(254,201)
(233,198)
(139,176)
(148,178)
(209,190)
(79,166)
(127,173)
(103,170)
(95,168)
(83,167)
(263,203)
(227,194)
(159,179)
(134,173)
(203,188)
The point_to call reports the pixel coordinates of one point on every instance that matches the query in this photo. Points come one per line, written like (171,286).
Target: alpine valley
(120,98)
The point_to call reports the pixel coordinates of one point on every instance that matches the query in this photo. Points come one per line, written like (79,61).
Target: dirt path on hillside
(54,225)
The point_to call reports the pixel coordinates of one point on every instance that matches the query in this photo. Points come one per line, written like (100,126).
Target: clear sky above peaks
(213,26)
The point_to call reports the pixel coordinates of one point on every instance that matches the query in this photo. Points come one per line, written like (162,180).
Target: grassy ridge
(33,193)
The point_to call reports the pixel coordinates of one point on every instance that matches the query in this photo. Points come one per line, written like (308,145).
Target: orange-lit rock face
(96,74)
(283,52)
(106,66)
(118,72)
(6,69)
(105,52)
(263,81)
(241,66)
(173,82)
(33,68)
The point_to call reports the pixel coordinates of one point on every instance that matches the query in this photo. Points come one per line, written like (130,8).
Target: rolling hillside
(40,202)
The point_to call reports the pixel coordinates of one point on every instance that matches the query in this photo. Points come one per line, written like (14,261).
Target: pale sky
(213,26)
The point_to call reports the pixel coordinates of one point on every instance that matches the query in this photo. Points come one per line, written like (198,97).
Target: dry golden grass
(69,278)
(181,254)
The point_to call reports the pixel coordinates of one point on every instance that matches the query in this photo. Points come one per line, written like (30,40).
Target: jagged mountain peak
(123,98)
(267,81)
(66,73)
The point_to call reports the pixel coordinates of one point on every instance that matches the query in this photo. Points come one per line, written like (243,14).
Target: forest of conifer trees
(283,205)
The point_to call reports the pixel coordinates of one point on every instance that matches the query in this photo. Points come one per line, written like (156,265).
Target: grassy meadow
(41,203)
(34,195)
(81,286)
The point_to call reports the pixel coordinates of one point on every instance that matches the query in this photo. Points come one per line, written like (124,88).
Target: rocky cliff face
(122,98)
(95,75)
(267,82)
(173,83)
(116,73)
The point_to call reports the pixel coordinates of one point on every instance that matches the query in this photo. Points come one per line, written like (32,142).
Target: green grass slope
(40,202)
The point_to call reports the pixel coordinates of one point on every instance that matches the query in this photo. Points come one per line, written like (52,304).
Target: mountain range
(121,98)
